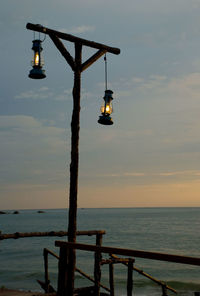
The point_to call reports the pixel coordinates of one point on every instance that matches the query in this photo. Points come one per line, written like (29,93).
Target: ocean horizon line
(82,208)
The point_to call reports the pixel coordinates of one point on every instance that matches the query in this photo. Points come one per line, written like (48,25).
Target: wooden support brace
(92,59)
(47,251)
(148,276)
(58,43)
(91,279)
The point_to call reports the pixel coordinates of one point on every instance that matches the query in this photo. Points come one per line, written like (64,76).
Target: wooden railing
(98,250)
(17,235)
(47,287)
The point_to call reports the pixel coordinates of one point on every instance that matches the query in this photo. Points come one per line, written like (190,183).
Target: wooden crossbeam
(72,38)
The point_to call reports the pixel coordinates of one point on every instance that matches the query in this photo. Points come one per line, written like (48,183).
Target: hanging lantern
(37,72)
(106,109)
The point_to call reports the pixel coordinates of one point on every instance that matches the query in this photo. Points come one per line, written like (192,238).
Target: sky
(150,156)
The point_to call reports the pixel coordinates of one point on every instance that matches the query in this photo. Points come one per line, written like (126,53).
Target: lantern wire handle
(39,36)
(44,37)
(106,74)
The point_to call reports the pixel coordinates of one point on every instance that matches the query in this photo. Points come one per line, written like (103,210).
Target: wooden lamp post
(77,67)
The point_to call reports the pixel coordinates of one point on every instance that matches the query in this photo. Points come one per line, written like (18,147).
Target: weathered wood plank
(132,253)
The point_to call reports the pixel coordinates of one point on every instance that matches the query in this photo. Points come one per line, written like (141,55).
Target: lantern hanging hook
(106,73)
(39,36)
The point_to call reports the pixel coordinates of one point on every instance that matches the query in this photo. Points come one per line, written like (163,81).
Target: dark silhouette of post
(77,67)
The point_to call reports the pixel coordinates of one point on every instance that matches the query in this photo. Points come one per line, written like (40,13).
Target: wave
(147,284)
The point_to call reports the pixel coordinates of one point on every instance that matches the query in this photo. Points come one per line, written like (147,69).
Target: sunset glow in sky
(150,156)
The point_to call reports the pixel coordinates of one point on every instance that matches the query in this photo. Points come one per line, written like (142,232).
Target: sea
(166,230)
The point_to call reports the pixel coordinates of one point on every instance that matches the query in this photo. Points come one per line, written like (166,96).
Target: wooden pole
(75,127)
(77,67)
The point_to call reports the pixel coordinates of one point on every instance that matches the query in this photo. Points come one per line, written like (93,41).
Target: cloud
(125,174)
(154,82)
(18,121)
(187,86)
(25,196)
(178,194)
(194,173)
(134,174)
(64,95)
(45,93)
(37,94)
(31,150)
(79,29)
(67,95)
(188,173)
(31,131)
(149,176)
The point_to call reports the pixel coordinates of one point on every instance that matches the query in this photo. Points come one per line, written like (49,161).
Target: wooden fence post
(97,265)
(164,290)
(46,274)
(111,279)
(130,277)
